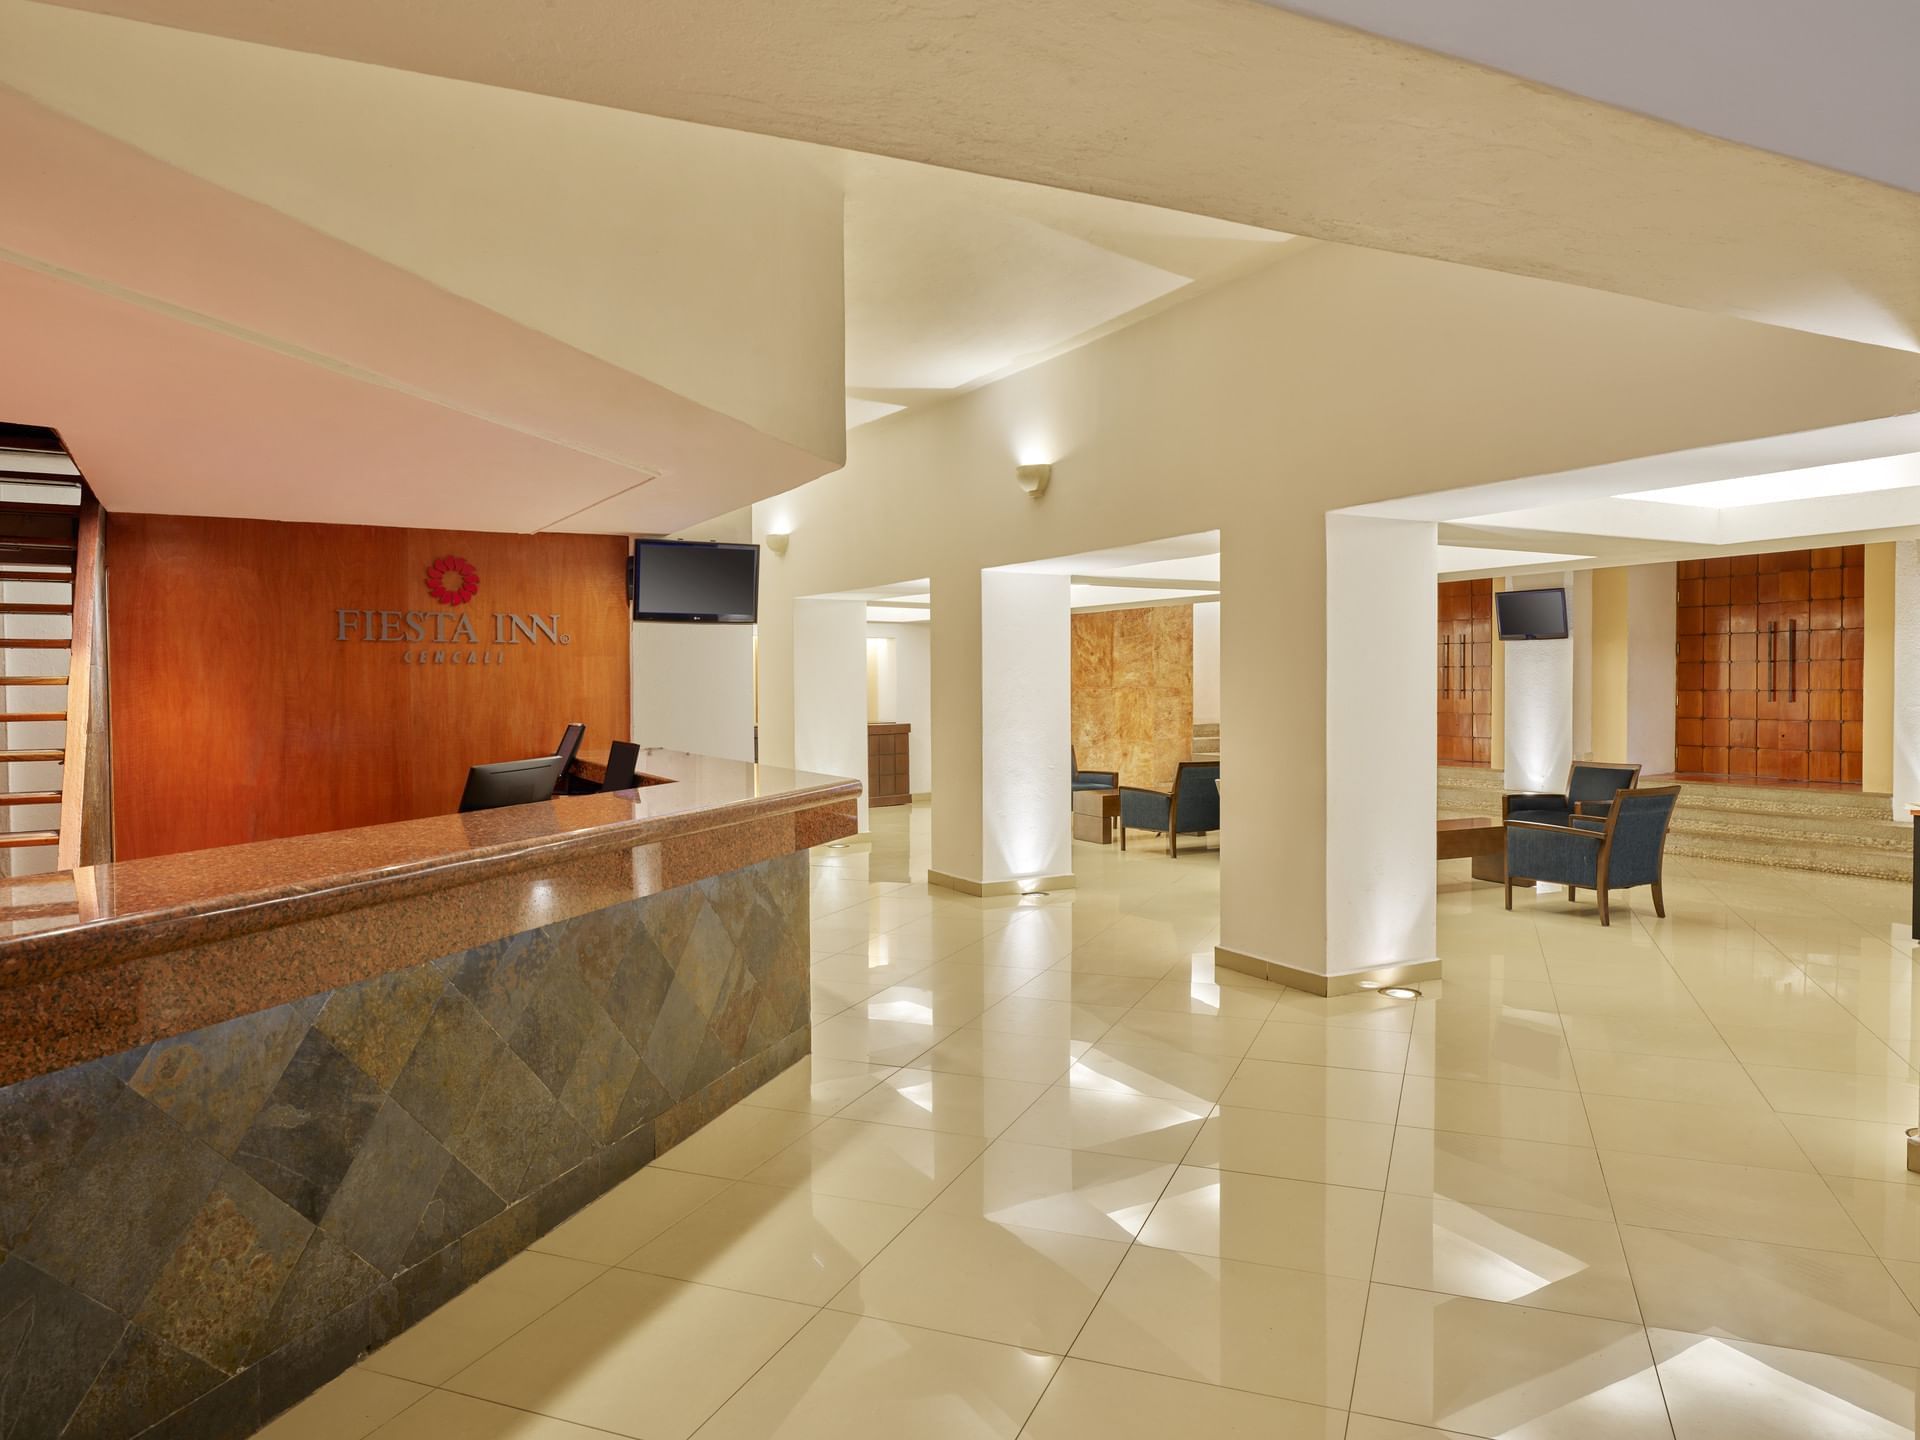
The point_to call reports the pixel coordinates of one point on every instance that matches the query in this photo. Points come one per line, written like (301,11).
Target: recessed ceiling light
(1850,477)
(1401,992)
(837,845)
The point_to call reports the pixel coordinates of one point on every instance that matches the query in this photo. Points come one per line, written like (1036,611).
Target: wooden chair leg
(1123,834)
(1605,918)
(1173,845)
(1509,892)
(1659,901)
(1573,895)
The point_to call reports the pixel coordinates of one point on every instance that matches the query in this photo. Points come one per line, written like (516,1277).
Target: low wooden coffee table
(1095,813)
(1478,838)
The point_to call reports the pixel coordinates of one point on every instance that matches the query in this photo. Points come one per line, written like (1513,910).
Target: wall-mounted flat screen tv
(693,581)
(1531,614)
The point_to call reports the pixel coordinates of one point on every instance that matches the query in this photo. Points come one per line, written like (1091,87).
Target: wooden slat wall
(1798,718)
(238,716)
(1463,693)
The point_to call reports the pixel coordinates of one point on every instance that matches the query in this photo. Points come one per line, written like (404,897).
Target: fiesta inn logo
(452,580)
(443,637)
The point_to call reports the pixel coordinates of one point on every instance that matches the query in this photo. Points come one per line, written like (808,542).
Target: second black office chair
(623,759)
(568,747)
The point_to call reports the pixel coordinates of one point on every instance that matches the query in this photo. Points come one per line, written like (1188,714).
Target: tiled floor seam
(1132,1241)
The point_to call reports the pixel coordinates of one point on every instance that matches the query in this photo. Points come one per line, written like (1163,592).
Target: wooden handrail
(86,791)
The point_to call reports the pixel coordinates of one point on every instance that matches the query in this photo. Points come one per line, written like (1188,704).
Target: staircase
(1206,742)
(1828,832)
(42,503)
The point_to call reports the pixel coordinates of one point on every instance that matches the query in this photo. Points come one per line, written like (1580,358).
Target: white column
(1026,681)
(830,690)
(1538,704)
(1381,603)
(1906,677)
(692,689)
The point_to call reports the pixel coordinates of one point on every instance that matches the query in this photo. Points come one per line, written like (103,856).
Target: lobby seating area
(1047,1165)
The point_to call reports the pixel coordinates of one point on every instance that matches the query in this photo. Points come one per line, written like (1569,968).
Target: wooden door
(1463,673)
(1770,662)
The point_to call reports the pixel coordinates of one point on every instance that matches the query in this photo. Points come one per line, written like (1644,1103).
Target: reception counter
(263,1107)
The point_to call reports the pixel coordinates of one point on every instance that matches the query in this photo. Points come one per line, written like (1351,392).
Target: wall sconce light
(777,542)
(1034,479)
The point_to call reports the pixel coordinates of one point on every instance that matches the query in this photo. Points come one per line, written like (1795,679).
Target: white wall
(1382,606)
(1539,705)
(830,690)
(1206,663)
(1026,723)
(693,689)
(912,698)
(1652,626)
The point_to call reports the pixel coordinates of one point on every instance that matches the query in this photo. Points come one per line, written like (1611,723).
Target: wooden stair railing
(52,534)
(86,801)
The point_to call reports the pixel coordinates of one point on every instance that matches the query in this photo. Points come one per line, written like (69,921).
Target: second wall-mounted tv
(695,581)
(1531,614)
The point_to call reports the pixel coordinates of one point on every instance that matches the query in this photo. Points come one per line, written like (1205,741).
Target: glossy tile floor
(1047,1175)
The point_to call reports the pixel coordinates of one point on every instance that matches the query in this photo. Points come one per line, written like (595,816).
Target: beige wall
(1337,377)
(1876,738)
(1609,682)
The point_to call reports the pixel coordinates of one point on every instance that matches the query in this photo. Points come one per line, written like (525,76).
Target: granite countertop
(75,919)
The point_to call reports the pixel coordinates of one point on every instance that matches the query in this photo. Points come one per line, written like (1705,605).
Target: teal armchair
(1092,779)
(1191,807)
(1623,850)
(1591,786)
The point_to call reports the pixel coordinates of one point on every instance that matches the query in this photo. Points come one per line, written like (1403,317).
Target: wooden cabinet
(887,782)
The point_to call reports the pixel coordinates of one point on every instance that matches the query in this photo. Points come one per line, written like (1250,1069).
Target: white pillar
(1538,704)
(1026,681)
(1327,794)
(830,690)
(1906,677)
(1381,612)
(692,689)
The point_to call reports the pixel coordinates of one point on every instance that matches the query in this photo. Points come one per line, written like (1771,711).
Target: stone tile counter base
(196,1233)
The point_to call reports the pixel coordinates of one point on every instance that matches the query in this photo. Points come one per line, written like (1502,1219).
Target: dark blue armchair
(1625,849)
(1092,779)
(1591,786)
(1191,807)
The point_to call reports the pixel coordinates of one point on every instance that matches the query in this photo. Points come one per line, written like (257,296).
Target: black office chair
(623,759)
(568,747)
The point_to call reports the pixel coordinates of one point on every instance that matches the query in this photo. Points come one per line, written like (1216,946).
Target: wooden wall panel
(1770,669)
(238,715)
(1132,698)
(1463,673)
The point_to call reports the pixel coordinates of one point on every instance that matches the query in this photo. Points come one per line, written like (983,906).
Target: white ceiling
(1833,83)
(446,288)
(1853,483)
(954,279)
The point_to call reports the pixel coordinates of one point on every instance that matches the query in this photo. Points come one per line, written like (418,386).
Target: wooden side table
(1478,838)
(1095,814)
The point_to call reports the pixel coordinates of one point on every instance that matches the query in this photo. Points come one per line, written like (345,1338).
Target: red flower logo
(452,581)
